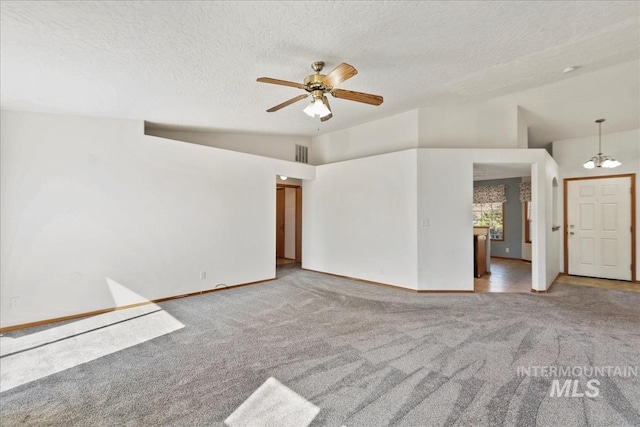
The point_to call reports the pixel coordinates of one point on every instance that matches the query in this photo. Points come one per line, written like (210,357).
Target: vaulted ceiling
(195,64)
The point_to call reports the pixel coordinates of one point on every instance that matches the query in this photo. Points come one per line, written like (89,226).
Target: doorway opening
(599,223)
(288,221)
(502,222)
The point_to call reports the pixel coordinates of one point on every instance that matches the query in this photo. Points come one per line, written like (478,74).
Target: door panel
(280,223)
(609,217)
(609,252)
(587,251)
(586,216)
(599,227)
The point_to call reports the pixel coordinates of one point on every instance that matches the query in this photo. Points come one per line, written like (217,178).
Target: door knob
(572,233)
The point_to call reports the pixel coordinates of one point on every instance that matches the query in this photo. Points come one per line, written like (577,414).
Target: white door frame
(632,177)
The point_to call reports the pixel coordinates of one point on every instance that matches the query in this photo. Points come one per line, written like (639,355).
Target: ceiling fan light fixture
(318,86)
(309,109)
(322,109)
(600,160)
(316,108)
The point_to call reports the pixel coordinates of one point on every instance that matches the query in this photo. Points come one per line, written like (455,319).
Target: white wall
(480,125)
(445,215)
(477,125)
(87,200)
(572,153)
(550,251)
(523,128)
(372,218)
(288,181)
(360,219)
(445,198)
(274,146)
(387,135)
(290,222)
(526,247)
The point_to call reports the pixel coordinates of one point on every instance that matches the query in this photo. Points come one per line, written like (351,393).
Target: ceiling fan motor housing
(314,82)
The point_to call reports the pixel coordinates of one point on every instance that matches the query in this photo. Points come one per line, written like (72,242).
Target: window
(490,215)
(527,222)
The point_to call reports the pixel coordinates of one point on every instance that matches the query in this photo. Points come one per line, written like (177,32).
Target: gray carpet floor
(365,355)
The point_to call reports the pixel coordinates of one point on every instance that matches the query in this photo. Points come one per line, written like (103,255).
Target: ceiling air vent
(301,153)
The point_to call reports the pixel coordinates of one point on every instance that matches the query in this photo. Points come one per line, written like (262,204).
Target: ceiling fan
(318,85)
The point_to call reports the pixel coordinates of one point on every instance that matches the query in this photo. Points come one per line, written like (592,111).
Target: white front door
(599,227)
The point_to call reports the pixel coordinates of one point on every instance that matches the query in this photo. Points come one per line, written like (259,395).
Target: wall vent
(301,153)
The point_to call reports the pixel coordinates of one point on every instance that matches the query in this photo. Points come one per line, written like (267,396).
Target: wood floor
(512,275)
(283,261)
(617,285)
(507,275)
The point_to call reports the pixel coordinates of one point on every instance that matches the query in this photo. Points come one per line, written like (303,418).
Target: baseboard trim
(535,291)
(124,307)
(402,288)
(514,259)
(452,291)
(362,280)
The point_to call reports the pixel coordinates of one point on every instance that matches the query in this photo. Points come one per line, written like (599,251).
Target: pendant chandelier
(600,160)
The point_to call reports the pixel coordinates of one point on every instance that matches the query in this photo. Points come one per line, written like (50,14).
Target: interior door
(599,227)
(280,222)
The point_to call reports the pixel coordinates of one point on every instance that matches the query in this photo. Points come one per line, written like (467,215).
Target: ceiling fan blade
(339,74)
(325,101)
(285,103)
(281,82)
(351,95)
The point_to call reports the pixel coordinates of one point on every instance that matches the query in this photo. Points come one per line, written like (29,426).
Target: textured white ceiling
(196,63)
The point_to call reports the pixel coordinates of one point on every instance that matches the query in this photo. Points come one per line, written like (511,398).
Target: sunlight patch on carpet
(56,349)
(273,404)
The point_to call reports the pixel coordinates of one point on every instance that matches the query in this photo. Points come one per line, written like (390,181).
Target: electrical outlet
(507,250)
(203,275)
(14,302)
